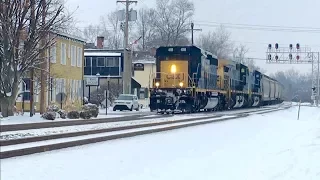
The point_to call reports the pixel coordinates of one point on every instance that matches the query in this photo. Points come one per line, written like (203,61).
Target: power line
(261,28)
(264,26)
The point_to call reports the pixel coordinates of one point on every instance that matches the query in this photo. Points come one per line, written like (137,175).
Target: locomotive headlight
(181,84)
(157,84)
(173,68)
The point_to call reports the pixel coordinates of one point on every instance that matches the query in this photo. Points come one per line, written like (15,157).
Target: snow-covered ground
(68,129)
(260,147)
(37,119)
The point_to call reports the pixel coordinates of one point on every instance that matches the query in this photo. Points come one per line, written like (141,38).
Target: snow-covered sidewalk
(269,146)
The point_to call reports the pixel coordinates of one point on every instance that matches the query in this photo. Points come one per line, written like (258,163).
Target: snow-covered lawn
(260,147)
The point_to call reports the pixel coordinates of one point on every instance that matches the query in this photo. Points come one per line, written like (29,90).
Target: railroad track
(37,144)
(52,124)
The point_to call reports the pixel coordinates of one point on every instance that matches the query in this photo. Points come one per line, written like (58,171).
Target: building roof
(145,61)
(105,54)
(70,36)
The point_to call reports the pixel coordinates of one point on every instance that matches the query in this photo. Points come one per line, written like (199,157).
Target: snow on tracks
(47,143)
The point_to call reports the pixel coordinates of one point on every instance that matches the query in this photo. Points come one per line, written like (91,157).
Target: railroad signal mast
(298,55)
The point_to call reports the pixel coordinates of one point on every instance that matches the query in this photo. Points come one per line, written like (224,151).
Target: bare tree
(91,32)
(171,21)
(145,28)
(239,53)
(111,30)
(23,27)
(217,42)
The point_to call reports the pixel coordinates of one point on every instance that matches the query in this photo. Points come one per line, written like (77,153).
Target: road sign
(92,81)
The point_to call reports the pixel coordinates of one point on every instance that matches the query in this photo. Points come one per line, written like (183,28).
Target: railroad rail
(109,134)
(51,124)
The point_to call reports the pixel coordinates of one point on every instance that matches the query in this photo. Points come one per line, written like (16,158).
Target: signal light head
(298,46)
(298,57)
(277,46)
(276,57)
(290,46)
(269,56)
(269,46)
(157,84)
(290,56)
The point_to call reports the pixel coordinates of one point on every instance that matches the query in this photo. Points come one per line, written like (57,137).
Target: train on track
(189,79)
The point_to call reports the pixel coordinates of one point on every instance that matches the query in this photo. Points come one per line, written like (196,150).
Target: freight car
(190,79)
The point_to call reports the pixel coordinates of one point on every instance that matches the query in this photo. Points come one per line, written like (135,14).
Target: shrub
(53,108)
(92,108)
(73,115)
(49,115)
(63,114)
(85,114)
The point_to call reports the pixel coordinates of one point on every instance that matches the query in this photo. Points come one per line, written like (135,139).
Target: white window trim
(63,54)
(79,57)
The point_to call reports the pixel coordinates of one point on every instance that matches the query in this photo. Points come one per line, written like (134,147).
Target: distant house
(107,65)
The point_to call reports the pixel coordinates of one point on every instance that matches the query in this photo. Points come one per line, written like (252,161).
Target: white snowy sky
(293,13)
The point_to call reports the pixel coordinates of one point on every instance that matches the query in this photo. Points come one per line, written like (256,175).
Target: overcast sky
(293,13)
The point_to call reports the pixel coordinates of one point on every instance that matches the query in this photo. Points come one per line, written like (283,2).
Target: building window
(80,55)
(73,55)
(87,62)
(63,54)
(112,62)
(101,62)
(94,62)
(53,53)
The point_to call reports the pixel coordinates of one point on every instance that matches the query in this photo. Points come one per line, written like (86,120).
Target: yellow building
(144,72)
(65,67)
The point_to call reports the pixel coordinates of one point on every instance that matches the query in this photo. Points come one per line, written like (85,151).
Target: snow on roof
(144,61)
(101,54)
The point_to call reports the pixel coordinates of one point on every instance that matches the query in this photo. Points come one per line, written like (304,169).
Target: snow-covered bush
(73,115)
(62,114)
(92,108)
(49,115)
(85,114)
(53,108)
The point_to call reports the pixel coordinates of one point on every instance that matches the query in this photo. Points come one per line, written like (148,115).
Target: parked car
(126,102)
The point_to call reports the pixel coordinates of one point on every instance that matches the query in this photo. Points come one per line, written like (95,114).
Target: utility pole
(127,72)
(43,77)
(192,30)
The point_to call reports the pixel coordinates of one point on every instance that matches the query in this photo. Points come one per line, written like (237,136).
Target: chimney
(100,40)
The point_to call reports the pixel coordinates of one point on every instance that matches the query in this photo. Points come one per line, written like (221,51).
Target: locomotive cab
(184,81)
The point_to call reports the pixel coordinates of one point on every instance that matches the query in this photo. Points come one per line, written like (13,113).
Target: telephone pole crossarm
(192,30)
